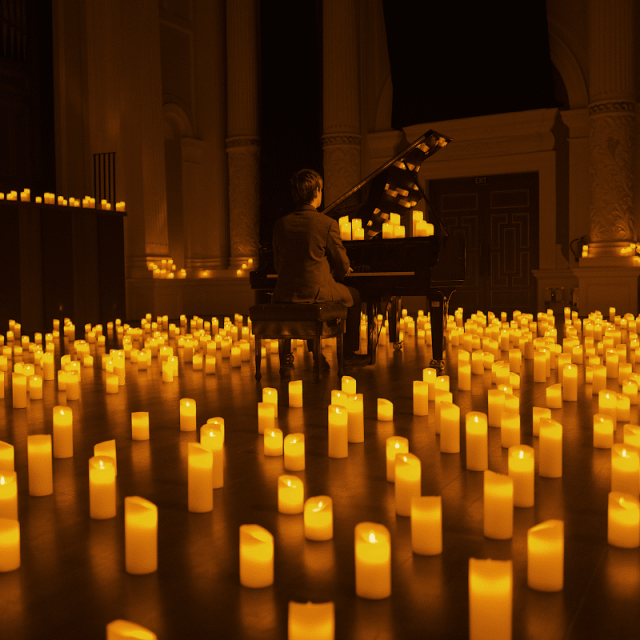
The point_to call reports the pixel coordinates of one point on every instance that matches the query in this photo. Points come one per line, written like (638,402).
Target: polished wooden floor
(72,580)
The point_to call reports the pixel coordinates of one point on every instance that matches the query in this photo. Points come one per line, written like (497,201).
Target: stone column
(341,97)
(243,141)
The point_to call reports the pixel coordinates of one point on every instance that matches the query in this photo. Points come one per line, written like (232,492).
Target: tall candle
(550,449)
(266,416)
(8,495)
(449,428)
(125,630)
(373,561)
(338,432)
(199,478)
(19,384)
(9,544)
(62,432)
(521,471)
(426,525)
(348,385)
(598,379)
(140,425)
(625,469)
(490,599)
(420,398)
(408,481)
(607,404)
(355,413)
(311,621)
(290,494)
(394,446)
(554,396)
(538,414)
(545,556)
(273,442)
(256,556)
(477,441)
(140,535)
(570,382)
(271,395)
(7,457)
(107,448)
(623,525)
(509,429)
(294,452)
(187,414)
(495,400)
(498,506)
(212,439)
(603,431)
(318,518)
(102,488)
(295,393)
(385,410)
(40,465)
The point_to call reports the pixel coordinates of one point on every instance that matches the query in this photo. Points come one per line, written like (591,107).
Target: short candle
(373,561)
(256,556)
(545,556)
(311,621)
(318,518)
(102,488)
(140,535)
(426,525)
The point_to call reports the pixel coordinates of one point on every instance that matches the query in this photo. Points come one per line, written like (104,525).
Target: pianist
(311,260)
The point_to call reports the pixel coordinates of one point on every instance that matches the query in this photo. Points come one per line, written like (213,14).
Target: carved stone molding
(244,199)
(611,137)
(242,141)
(341,170)
(618,106)
(341,139)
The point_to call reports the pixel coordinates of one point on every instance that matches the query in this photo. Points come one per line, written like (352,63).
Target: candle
(318,518)
(311,621)
(209,363)
(19,384)
(125,630)
(623,524)
(570,383)
(449,428)
(294,454)
(603,431)
(429,375)
(625,469)
(554,396)
(35,388)
(550,449)
(394,446)
(464,375)
(420,398)
(140,535)
(9,544)
(338,418)
(273,442)
(545,556)
(509,429)
(598,379)
(540,366)
(348,385)
(521,471)
(440,397)
(107,448)
(62,432)
(490,599)
(408,481)
(477,363)
(187,414)
(623,408)
(612,361)
(385,410)
(7,457)
(538,414)
(40,465)
(140,425)
(498,506)
(295,393)
(495,400)
(102,488)
(426,525)
(373,561)
(256,556)
(271,395)
(477,441)
(266,416)
(290,494)
(112,382)
(9,495)
(607,404)
(200,478)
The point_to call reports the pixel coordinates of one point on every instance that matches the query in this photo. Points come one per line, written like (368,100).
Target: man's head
(305,185)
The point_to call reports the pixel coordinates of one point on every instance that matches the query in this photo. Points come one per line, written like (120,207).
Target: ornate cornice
(242,141)
(341,139)
(612,106)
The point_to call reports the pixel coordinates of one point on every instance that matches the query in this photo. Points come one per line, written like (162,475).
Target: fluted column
(612,126)
(243,141)
(341,97)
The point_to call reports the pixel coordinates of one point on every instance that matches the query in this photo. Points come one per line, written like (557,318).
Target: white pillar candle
(273,442)
(311,621)
(498,506)
(295,393)
(271,395)
(625,469)
(554,396)
(19,388)
(355,413)
(373,561)
(294,452)
(290,494)
(7,457)
(318,518)
(48,370)
(187,414)
(266,416)
(464,376)
(200,478)
(449,428)
(408,482)
(339,397)
(477,363)
(603,431)
(426,525)
(140,425)
(429,375)
(140,535)
(495,403)
(623,525)
(35,387)
(477,441)
(62,432)
(623,408)
(8,494)
(40,465)
(112,383)
(385,410)
(490,599)
(509,429)
(338,431)
(394,446)
(209,364)
(607,404)
(540,366)
(545,556)
(521,471)
(235,357)
(550,449)
(515,360)
(441,396)
(598,379)
(629,389)
(420,398)
(102,488)
(9,544)
(570,382)
(348,385)
(125,630)
(256,556)
(612,361)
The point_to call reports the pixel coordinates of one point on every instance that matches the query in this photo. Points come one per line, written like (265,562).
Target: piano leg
(372,330)
(438,308)
(395,315)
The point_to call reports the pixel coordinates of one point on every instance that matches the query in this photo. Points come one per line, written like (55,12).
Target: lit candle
(373,561)
(112,383)
(623,408)
(570,383)
(9,544)
(603,431)
(598,379)
(498,506)
(449,428)
(271,395)
(7,457)
(256,556)
(140,535)
(355,412)
(545,556)
(273,442)
(209,364)
(429,375)
(318,518)
(290,494)
(538,414)
(102,488)
(554,396)
(464,375)
(19,384)
(426,525)
(408,482)
(200,478)
(420,398)
(623,528)
(107,448)
(125,630)
(348,385)
(295,393)
(62,432)
(477,441)
(294,452)
(235,357)
(490,599)
(338,418)
(266,416)
(495,403)
(187,414)
(625,469)
(607,404)
(311,621)
(385,410)
(40,465)
(550,449)
(140,425)
(35,388)
(8,495)
(394,446)
(540,366)
(509,429)
(521,471)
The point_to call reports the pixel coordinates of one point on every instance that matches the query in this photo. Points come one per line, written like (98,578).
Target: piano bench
(284,321)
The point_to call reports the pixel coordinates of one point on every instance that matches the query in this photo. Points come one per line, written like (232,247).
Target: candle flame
(521,454)
(2,480)
(372,537)
(319,506)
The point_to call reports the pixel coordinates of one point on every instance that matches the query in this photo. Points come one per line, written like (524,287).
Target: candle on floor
(187,414)
(266,416)
(271,395)
(200,478)
(570,382)
(311,621)
(112,383)
(7,457)
(294,452)
(125,630)
(477,363)
(40,465)
(62,432)
(490,599)
(295,393)
(394,446)
(545,556)
(9,544)
(209,364)
(140,535)
(603,431)
(35,388)
(607,404)
(538,414)
(426,525)
(449,428)
(550,449)
(521,471)
(385,410)
(429,375)
(408,482)
(420,398)
(102,488)
(8,494)
(625,469)
(256,556)
(273,442)
(464,375)
(495,403)
(623,524)
(373,561)
(509,429)
(290,494)
(498,506)
(19,385)
(140,425)
(318,518)
(338,431)
(554,396)
(477,441)
(598,379)
(348,385)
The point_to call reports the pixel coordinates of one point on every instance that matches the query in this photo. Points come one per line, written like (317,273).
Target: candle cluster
(50,198)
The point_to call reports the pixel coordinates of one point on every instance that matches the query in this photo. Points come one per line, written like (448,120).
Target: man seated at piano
(311,260)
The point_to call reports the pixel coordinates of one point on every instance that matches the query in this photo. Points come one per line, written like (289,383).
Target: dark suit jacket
(309,257)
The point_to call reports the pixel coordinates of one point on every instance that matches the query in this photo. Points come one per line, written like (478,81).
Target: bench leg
(317,354)
(258,357)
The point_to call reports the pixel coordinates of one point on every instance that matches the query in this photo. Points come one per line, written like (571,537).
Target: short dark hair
(304,184)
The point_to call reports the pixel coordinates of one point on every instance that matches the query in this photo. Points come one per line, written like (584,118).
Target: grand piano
(385,269)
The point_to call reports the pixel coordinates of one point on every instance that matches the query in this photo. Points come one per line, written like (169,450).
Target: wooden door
(498,217)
